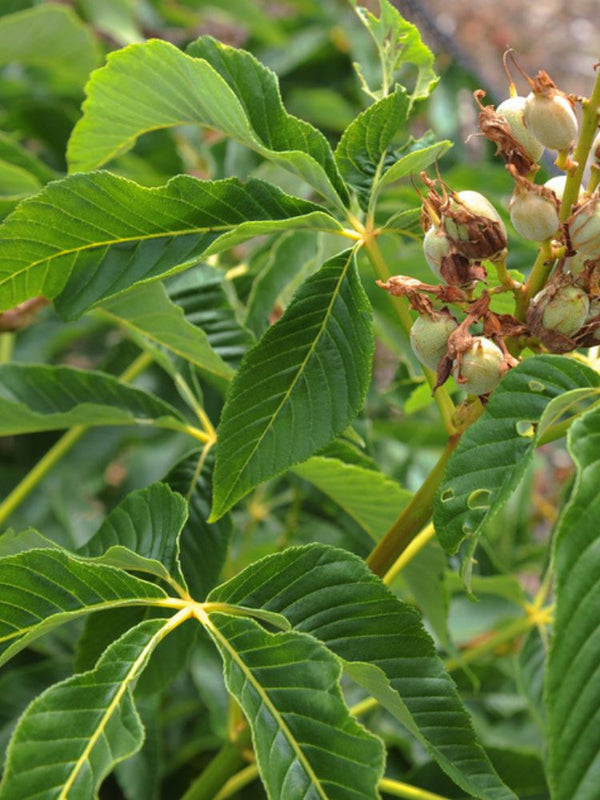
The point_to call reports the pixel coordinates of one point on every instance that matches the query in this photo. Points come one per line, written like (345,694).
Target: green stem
(226,763)
(540,273)
(420,541)
(398,789)
(515,628)
(443,400)
(589,126)
(7,343)
(60,448)
(237,782)
(413,518)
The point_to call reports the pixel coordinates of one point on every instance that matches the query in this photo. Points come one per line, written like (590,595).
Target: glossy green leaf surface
(49,36)
(216,86)
(300,386)
(202,294)
(493,453)
(368,496)
(204,545)
(288,687)
(142,534)
(40,589)
(44,398)
(148,310)
(332,595)
(572,686)
(74,733)
(88,237)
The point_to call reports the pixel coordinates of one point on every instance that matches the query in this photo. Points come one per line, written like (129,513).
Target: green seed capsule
(435,248)
(512,110)
(584,228)
(534,216)
(565,311)
(481,368)
(551,119)
(429,337)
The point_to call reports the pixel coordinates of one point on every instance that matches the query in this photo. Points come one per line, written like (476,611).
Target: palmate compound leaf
(43,398)
(91,236)
(333,596)
(142,534)
(40,589)
(494,452)
(73,734)
(572,685)
(155,85)
(299,387)
(306,743)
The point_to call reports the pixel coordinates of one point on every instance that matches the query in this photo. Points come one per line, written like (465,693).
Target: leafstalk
(413,518)
(226,763)
(540,272)
(398,789)
(414,548)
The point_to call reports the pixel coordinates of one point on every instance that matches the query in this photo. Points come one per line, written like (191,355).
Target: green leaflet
(142,534)
(201,293)
(53,37)
(204,546)
(299,387)
(364,149)
(40,589)
(88,237)
(149,311)
(44,398)
(288,687)
(224,88)
(332,595)
(493,453)
(572,686)
(79,729)
(371,498)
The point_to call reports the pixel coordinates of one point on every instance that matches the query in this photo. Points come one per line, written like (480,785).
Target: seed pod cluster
(457,331)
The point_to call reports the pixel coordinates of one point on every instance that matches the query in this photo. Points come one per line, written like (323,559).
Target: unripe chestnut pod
(481,367)
(435,248)
(551,119)
(512,110)
(429,337)
(482,234)
(565,311)
(584,228)
(557,184)
(534,217)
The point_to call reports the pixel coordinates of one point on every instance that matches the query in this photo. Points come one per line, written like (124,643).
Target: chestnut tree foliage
(301,432)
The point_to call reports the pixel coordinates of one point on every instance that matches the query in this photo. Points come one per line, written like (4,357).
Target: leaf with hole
(572,690)
(494,452)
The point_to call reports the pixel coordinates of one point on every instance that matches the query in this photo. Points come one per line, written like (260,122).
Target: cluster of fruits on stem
(558,309)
